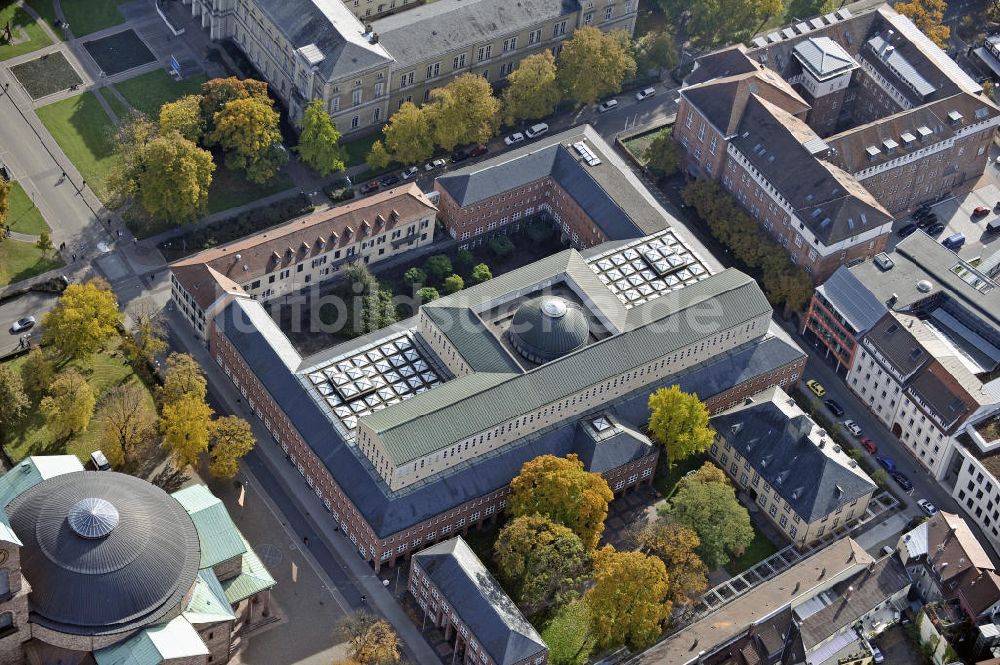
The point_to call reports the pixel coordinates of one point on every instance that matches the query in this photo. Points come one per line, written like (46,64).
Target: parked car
(996,208)
(980,211)
(869,445)
(340,190)
(607,106)
(480,149)
(927,220)
(992,227)
(927,507)
(516,137)
(920,213)
(816,387)
(645,94)
(954,242)
(369,187)
(935,229)
(459,155)
(835,408)
(903,481)
(887,463)
(409,173)
(877,656)
(536,130)
(434,164)
(852,427)
(389,181)
(907,230)
(22,324)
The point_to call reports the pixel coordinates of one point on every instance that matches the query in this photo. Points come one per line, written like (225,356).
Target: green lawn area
(759,549)
(103,372)
(23,26)
(118,106)
(666,481)
(567,634)
(637,145)
(21,260)
(230,189)
(47,11)
(22,215)
(87,16)
(147,93)
(358,149)
(83,130)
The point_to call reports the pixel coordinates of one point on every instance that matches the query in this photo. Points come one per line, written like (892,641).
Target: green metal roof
(152,646)
(220,539)
(25,475)
(208,602)
(442,416)
(472,339)
(253,578)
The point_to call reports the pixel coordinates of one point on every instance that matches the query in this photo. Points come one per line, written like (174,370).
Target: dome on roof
(104,552)
(548,327)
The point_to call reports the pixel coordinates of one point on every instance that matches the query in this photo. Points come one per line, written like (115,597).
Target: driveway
(33,304)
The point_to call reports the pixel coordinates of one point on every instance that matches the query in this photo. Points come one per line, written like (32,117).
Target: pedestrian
(119,233)
(109,222)
(73,257)
(305,540)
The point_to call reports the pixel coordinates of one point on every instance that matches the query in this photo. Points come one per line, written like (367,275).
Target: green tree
(428,294)
(676,546)
(175,179)
(678,421)
(184,117)
(501,246)
(540,561)
(183,378)
(85,317)
(464,261)
(722,21)
(481,273)
(707,473)
(44,242)
(628,600)
(13,400)
(594,64)
(147,335)
(378,157)
(713,511)
(438,267)
(128,424)
(664,155)
(184,425)
(800,9)
(371,640)
(568,635)
(370,307)
(216,93)
(532,91)
(563,491)
(230,440)
(464,111)
(69,406)
(319,142)
(408,136)
(655,51)
(415,276)
(37,373)
(453,283)
(247,129)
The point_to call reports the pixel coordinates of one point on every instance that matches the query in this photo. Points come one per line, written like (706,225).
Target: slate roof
(951,541)
(332,28)
(897,345)
(176,639)
(610,193)
(852,299)
(430,30)
(473,339)
(480,601)
(776,437)
(220,539)
(823,57)
(722,100)
(603,452)
(728,61)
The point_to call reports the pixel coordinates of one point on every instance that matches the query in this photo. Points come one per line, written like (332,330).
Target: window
(335,104)
(485,52)
(534,37)
(609,12)
(433,70)
(7,623)
(458,62)
(506,68)
(406,79)
(356,96)
(559,29)
(354,122)
(509,44)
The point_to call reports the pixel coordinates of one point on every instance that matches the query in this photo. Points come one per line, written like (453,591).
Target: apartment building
(365,59)
(459,596)
(802,480)
(303,252)
(827,129)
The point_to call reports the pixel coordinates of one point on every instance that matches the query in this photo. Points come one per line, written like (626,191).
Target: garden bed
(119,52)
(46,75)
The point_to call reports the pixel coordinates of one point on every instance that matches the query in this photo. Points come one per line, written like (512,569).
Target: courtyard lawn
(637,145)
(230,189)
(147,93)
(103,372)
(47,11)
(28,34)
(46,75)
(84,131)
(22,214)
(21,260)
(759,549)
(118,106)
(666,480)
(87,16)
(358,149)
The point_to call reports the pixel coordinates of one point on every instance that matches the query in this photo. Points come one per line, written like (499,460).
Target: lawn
(83,130)
(103,372)
(119,52)
(46,75)
(24,28)
(47,11)
(118,106)
(22,214)
(666,481)
(230,188)
(358,149)
(637,145)
(21,260)
(87,16)
(147,93)
(759,549)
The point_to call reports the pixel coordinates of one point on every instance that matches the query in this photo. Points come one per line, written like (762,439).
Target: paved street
(31,304)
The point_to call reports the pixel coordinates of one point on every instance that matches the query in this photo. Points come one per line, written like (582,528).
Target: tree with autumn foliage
(230,440)
(675,545)
(183,378)
(128,423)
(216,93)
(247,129)
(628,602)
(84,319)
(560,489)
(464,111)
(69,406)
(184,117)
(371,640)
(928,15)
(408,136)
(532,91)
(594,64)
(184,425)
(678,421)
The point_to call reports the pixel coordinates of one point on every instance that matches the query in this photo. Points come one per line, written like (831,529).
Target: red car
(369,187)
(869,445)
(980,211)
(478,150)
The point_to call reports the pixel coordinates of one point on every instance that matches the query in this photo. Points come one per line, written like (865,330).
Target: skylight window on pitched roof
(601,424)
(817,212)
(982,113)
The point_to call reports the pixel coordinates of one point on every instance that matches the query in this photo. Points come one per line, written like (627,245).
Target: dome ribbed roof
(548,327)
(104,552)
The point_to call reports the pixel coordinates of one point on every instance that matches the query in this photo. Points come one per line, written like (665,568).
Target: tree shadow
(170,479)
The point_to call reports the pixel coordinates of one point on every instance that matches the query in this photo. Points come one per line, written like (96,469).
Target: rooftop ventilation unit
(924,286)
(883,261)
(586,153)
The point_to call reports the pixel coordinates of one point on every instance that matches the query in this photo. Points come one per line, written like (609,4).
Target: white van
(536,130)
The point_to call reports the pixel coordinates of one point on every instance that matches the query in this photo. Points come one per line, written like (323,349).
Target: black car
(927,220)
(907,230)
(935,229)
(459,155)
(902,481)
(389,181)
(835,408)
(920,213)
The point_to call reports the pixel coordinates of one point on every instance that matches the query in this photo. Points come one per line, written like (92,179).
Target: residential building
(572,179)
(818,611)
(459,596)
(365,58)
(827,129)
(303,252)
(105,568)
(801,479)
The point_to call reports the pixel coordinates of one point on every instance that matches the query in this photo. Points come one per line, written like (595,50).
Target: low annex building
(801,479)
(105,568)
(459,596)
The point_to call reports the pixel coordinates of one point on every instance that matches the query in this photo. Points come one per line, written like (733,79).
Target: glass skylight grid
(648,268)
(366,380)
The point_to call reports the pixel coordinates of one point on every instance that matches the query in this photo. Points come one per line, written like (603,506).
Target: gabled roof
(952,548)
(980,591)
(253,577)
(723,100)
(170,641)
(480,601)
(823,57)
(728,61)
(220,539)
(208,603)
(781,443)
